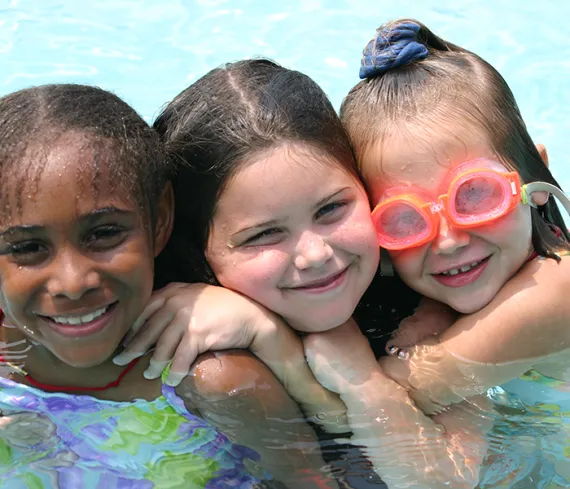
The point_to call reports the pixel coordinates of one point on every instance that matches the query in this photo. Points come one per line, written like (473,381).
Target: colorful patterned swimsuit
(530,442)
(533,434)
(62,441)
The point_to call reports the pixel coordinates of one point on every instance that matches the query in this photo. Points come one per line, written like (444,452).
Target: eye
(105,237)
(266,237)
(27,252)
(331,212)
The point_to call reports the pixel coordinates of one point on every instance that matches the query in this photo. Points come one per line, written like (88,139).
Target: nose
(449,238)
(72,275)
(312,251)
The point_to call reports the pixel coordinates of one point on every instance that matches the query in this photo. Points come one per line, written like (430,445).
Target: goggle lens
(400,223)
(475,198)
(479,198)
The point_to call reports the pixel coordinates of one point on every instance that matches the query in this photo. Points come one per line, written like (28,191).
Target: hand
(430,318)
(421,372)
(185,320)
(341,359)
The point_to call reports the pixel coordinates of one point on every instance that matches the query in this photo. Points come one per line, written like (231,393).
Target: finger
(154,305)
(169,340)
(184,357)
(154,369)
(151,330)
(157,300)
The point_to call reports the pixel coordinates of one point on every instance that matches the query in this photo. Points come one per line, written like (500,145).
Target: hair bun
(392,47)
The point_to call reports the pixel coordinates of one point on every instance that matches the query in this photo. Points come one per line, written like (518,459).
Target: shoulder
(532,310)
(220,375)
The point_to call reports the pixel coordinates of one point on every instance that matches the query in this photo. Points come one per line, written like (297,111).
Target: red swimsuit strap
(71,388)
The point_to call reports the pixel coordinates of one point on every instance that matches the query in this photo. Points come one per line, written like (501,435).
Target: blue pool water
(148,51)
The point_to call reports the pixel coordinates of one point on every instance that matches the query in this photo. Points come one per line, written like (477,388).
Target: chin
(82,359)
(322,324)
(470,304)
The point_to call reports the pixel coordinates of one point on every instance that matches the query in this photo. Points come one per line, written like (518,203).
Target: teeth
(463,269)
(80,319)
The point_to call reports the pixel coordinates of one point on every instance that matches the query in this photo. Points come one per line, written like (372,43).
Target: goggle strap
(529,188)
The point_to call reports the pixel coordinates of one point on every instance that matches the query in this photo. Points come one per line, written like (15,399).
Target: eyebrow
(273,222)
(105,211)
(31,229)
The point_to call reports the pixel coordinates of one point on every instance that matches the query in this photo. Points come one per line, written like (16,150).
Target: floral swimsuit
(63,441)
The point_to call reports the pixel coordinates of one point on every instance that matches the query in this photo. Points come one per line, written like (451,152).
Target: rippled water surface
(148,51)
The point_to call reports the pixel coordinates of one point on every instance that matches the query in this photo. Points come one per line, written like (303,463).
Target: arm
(407,448)
(525,326)
(185,320)
(239,395)
(430,318)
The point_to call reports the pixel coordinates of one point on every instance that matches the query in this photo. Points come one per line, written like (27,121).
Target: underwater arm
(524,326)
(237,393)
(186,320)
(407,448)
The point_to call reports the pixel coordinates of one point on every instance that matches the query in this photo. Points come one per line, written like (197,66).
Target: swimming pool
(148,51)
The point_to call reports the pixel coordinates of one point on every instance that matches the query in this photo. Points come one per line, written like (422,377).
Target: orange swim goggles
(475,197)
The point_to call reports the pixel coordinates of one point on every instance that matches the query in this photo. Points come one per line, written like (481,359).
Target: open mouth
(82,324)
(463,269)
(78,320)
(464,275)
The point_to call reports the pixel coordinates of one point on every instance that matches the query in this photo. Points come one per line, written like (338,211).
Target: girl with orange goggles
(475,197)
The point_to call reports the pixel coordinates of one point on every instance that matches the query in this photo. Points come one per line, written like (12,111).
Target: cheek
(357,234)
(18,285)
(252,274)
(513,231)
(409,263)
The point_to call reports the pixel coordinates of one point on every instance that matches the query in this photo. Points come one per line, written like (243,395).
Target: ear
(164,219)
(543,154)
(540,197)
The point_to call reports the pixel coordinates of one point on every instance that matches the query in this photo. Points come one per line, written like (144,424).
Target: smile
(324,284)
(463,269)
(87,318)
(463,275)
(82,325)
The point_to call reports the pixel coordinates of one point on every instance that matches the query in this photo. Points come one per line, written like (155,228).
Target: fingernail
(126,357)
(403,354)
(174,379)
(154,370)
(392,350)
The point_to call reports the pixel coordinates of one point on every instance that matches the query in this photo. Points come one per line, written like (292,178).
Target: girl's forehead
(401,159)
(64,175)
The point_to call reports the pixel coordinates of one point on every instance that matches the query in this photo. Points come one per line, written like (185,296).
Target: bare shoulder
(219,375)
(527,319)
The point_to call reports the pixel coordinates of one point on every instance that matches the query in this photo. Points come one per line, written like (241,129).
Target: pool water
(147,52)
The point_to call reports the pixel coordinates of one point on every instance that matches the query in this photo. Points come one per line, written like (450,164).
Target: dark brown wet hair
(222,121)
(413,78)
(119,145)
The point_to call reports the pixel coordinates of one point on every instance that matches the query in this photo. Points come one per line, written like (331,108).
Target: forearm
(406,448)
(435,377)
(281,349)
(240,396)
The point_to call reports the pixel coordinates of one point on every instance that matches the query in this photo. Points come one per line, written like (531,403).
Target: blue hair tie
(392,48)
